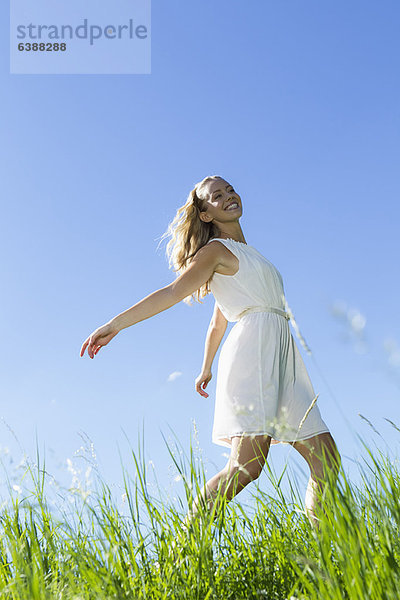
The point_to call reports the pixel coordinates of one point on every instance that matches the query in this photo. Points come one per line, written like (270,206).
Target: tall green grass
(94,550)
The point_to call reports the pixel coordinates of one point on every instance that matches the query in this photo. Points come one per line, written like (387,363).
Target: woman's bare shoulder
(212,250)
(220,256)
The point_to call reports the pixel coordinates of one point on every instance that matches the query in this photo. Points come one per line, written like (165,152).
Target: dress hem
(221,440)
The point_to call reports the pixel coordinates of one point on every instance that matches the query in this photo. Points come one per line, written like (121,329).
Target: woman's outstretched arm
(199,271)
(215,333)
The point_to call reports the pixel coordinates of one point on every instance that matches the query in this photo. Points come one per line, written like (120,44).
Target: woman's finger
(86,345)
(202,392)
(90,348)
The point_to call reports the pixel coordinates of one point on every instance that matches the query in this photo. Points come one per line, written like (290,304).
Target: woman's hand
(100,337)
(202,381)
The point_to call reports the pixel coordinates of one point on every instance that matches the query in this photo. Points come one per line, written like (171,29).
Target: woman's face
(221,203)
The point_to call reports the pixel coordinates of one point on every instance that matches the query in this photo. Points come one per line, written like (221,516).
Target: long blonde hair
(188,234)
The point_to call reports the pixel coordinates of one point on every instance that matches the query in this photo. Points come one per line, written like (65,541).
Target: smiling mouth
(232,206)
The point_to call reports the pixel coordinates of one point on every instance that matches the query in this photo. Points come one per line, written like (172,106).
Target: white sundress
(262,383)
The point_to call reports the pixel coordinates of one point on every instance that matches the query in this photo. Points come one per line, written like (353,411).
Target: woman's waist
(262,308)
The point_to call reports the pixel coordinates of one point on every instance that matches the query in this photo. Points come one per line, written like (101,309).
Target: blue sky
(295,104)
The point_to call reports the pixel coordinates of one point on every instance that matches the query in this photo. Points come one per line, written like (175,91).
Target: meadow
(91,549)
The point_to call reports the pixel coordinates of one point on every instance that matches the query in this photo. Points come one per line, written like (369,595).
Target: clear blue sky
(297,105)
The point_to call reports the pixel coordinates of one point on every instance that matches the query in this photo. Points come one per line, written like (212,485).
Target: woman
(264,394)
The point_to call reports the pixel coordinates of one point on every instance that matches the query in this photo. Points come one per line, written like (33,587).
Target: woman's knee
(248,454)
(330,453)
(321,454)
(326,459)
(245,473)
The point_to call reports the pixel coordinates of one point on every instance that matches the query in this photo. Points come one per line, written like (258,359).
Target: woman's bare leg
(246,461)
(313,450)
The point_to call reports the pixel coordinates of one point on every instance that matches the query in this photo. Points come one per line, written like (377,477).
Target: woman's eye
(232,190)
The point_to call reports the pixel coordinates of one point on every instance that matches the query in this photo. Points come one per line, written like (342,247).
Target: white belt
(254,309)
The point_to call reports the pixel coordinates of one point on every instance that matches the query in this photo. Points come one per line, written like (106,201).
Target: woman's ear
(205,217)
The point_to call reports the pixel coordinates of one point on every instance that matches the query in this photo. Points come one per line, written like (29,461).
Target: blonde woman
(264,395)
